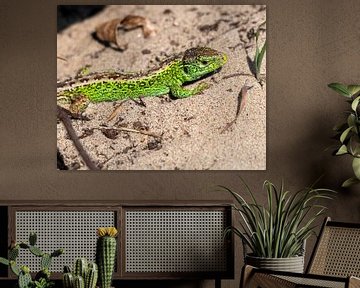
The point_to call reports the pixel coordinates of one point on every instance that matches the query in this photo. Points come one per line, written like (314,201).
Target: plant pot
(291,264)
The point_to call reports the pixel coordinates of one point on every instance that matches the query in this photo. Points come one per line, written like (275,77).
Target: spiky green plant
(106,254)
(85,274)
(349,132)
(42,278)
(279,229)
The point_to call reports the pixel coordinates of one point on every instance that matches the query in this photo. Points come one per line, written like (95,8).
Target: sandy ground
(191,129)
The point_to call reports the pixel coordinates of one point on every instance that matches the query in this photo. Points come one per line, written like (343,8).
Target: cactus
(14,268)
(79,282)
(36,251)
(42,278)
(32,238)
(91,276)
(57,253)
(24,246)
(45,261)
(88,273)
(43,274)
(105,254)
(4,261)
(68,280)
(80,267)
(24,278)
(14,253)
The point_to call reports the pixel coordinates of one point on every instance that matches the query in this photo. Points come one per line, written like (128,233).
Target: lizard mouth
(216,71)
(205,76)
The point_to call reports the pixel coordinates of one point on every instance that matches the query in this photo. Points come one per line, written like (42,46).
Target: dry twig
(62,114)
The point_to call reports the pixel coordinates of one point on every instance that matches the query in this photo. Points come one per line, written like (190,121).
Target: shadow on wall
(335,169)
(70,14)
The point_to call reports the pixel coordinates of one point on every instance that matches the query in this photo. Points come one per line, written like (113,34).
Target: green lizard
(189,66)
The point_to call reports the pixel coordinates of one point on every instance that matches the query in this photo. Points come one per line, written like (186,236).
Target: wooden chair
(335,262)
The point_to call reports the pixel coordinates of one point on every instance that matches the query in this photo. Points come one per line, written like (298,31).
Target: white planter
(291,264)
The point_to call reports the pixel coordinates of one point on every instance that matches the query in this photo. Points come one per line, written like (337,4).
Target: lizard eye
(204,62)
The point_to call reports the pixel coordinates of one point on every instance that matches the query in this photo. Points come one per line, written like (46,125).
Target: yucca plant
(280,229)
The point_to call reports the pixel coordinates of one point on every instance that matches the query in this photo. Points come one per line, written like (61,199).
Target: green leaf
(341,89)
(356,167)
(4,261)
(344,134)
(258,31)
(353,89)
(259,58)
(351,120)
(349,182)
(342,150)
(354,145)
(355,103)
(14,268)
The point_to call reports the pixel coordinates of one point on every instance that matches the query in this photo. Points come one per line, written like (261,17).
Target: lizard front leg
(180,92)
(79,104)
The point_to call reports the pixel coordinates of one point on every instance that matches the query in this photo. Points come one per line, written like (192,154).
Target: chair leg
(217,282)
(246,274)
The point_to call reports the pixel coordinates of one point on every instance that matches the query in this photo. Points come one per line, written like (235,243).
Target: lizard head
(200,61)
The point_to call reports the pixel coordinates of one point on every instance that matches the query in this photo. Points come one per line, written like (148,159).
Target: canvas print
(161,87)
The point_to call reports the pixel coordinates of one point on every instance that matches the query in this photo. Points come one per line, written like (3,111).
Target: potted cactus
(84,275)
(42,278)
(106,254)
(275,233)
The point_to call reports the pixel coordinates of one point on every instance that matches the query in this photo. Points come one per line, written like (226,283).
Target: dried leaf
(115,112)
(108,31)
(241,104)
(132,21)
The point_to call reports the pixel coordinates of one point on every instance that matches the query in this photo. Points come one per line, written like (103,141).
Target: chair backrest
(337,251)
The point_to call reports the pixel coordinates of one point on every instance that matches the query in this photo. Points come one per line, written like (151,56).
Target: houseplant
(349,131)
(42,278)
(106,254)
(276,233)
(84,274)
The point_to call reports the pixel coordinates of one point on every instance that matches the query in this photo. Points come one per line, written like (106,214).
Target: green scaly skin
(189,66)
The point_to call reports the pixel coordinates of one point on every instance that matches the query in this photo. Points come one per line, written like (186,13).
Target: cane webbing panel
(338,252)
(175,241)
(313,282)
(75,231)
(267,280)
